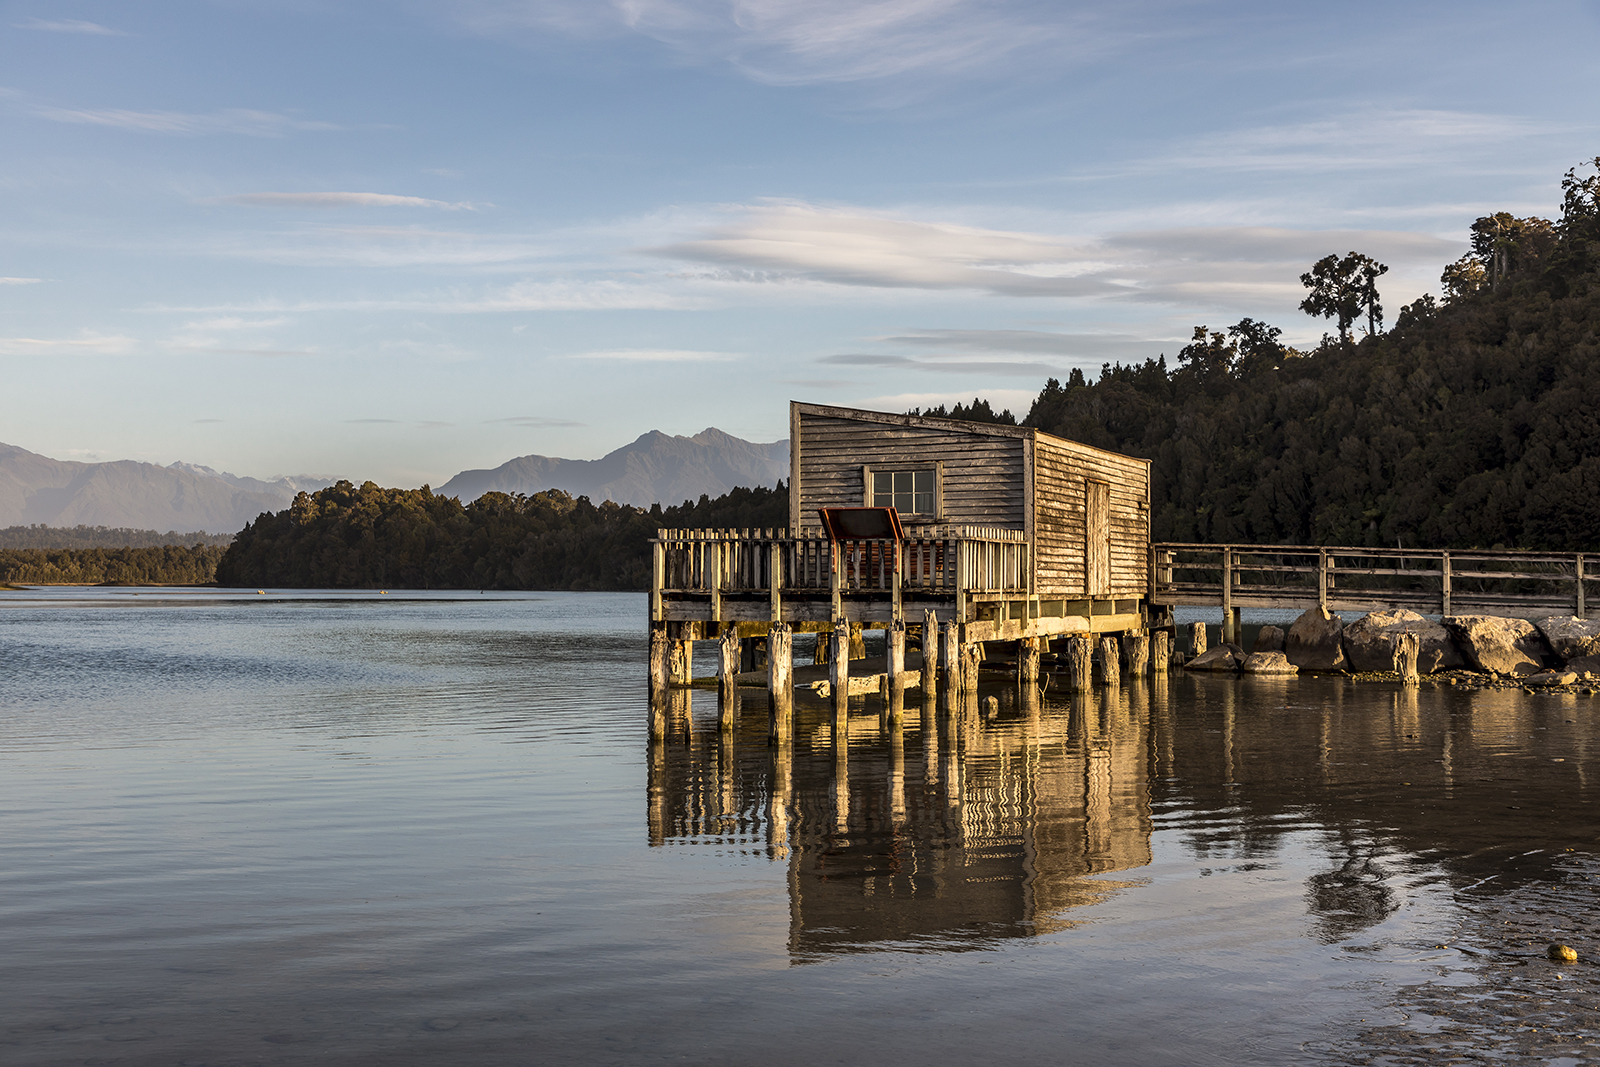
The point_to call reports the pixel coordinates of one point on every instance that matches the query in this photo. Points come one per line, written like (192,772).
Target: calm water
(427,828)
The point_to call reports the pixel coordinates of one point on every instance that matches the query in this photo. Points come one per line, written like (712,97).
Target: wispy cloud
(88,344)
(1005,368)
(20,281)
(1226,265)
(265,353)
(661,355)
(802,42)
(69,26)
(604,294)
(534,422)
(1034,342)
(249,123)
(337,200)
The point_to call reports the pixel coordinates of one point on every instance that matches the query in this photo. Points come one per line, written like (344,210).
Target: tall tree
(1345,288)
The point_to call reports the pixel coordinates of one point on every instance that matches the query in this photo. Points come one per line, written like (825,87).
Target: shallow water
(355,828)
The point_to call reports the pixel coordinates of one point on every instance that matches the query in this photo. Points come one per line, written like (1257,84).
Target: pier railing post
(658,577)
(775,579)
(1227,595)
(1583,610)
(714,578)
(1444,584)
(835,582)
(1322,580)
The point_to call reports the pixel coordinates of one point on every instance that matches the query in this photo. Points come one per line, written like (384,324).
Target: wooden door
(1097,540)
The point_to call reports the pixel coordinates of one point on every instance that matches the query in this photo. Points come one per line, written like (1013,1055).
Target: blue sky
(397,240)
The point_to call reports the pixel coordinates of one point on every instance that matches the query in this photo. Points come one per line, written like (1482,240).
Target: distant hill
(78,537)
(656,468)
(38,490)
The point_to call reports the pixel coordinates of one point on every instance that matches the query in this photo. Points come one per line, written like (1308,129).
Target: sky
(393,241)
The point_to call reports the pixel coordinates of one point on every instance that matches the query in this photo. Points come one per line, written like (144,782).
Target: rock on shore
(1503,646)
(1369,642)
(1315,641)
(1268,663)
(1225,657)
(1571,637)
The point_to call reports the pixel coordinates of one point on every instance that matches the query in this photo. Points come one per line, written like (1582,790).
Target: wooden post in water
(894,654)
(1160,652)
(660,682)
(1407,653)
(1197,638)
(728,679)
(1080,677)
(1136,647)
(971,656)
(1110,662)
(839,669)
(930,655)
(858,641)
(951,654)
(1028,662)
(780,682)
(680,661)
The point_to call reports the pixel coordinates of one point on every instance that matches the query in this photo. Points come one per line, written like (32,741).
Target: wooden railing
(932,559)
(1343,578)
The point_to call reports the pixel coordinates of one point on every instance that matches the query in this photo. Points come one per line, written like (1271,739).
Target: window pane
(902,502)
(902,482)
(882,486)
(924,504)
(924,481)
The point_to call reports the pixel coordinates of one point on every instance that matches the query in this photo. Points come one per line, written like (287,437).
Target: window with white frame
(910,492)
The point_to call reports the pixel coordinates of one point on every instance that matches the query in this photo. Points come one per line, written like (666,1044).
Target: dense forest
(160,565)
(348,536)
(1473,422)
(101,537)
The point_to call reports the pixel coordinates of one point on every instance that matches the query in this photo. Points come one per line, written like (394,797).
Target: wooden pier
(1437,582)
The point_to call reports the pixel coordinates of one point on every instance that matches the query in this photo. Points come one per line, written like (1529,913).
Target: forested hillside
(163,565)
(347,536)
(1474,422)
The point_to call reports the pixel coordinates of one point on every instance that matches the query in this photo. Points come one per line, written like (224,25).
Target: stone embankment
(1459,649)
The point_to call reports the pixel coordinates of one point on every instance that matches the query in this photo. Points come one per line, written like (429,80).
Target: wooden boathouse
(1000,533)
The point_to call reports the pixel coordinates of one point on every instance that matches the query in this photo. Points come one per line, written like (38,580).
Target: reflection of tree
(1349,899)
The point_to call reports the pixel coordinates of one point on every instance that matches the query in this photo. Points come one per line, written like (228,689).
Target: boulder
(1369,642)
(1314,641)
(1225,657)
(1270,639)
(1551,678)
(1570,636)
(1584,664)
(1502,646)
(1268,663)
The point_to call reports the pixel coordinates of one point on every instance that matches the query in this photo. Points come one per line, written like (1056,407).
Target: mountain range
(38,490)
(656,468)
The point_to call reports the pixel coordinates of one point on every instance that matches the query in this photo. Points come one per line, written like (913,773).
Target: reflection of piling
(1197,638)
(1080,676)
(656,799)
(778,806)
(1407,652)
(1136,647)
(1160,652)
(841,775)
(839,669)
(780,683)
(929,730)
(727,775)
(1110,662)
(728,679)
(680,717)
(1028,662)
(897,774)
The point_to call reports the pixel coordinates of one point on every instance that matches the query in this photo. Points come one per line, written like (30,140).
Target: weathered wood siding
(1062,470)
(983,473)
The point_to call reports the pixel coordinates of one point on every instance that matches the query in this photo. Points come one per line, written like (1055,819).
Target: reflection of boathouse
(953,828)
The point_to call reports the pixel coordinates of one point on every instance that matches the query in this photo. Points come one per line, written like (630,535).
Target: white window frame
(938,488)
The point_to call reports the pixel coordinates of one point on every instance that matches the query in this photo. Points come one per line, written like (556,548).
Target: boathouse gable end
(950,473)
(1091,521)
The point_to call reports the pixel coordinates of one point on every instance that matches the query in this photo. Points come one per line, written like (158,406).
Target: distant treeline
(163,565)
(102,537)
(1474,422)
(362,537)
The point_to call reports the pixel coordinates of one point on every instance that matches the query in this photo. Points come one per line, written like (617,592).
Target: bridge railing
(1441,582)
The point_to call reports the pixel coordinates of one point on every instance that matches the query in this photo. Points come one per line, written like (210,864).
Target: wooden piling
(930,655)
(728,680)
(1110,662)
(1160,652)
(858,641)
(950,653)
(1197,638)
(1407,653)
(839,668)
(971,656)
(780,682)
(1079,651)
(1028,662)
(894,654)
(1136,649)
(680,661)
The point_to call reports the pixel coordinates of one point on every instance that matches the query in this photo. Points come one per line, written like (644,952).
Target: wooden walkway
(1514,584)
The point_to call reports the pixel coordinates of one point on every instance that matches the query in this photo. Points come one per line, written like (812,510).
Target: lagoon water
(427,828)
